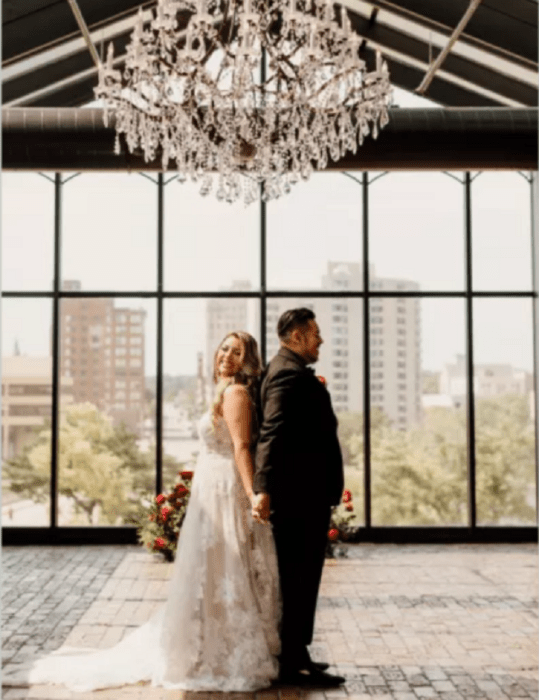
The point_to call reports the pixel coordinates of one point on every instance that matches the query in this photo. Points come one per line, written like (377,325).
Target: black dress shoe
(310,677)
(319,665)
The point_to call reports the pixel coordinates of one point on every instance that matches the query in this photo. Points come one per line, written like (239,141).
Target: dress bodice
(216,438)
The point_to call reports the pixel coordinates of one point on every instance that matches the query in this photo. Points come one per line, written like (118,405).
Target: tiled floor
(401,622)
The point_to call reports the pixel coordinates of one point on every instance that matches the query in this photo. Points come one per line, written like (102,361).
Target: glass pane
(314,238)
(504,412)
(193,330)
(418,412)
(106,460)
(501,232)
(26,411)
(109,232)
(416,232)
(27,232)
(209,245)
(341,364)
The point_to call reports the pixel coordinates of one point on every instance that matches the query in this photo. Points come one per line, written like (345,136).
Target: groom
(298,477)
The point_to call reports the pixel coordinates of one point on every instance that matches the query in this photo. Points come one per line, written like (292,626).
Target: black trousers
(300,541)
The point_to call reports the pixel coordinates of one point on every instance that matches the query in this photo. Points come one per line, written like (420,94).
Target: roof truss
(46,62)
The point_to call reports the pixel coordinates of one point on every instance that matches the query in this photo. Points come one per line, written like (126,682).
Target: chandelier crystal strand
(191,92)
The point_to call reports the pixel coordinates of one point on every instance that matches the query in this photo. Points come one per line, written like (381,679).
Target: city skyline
(503,330)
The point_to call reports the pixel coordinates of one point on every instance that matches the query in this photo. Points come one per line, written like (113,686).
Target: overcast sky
(416,233)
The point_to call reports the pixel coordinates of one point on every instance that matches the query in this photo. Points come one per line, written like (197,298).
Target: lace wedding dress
(218,630)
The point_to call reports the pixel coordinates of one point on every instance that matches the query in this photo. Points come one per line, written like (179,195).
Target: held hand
(261,508)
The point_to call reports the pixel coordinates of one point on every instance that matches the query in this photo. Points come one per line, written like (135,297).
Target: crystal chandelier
(245,92)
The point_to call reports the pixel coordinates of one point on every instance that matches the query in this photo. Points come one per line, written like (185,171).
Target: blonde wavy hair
(251,369)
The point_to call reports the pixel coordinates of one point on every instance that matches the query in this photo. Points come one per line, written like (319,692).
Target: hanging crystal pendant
(191,92)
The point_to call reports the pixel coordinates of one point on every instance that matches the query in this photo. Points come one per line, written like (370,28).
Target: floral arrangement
(340,527)
(160,529)
(342,515)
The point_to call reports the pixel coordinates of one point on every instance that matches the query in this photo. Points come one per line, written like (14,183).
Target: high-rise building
(394,341)
(102,351)
(395,351)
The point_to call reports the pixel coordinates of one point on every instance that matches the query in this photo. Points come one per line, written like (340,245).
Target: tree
(419,476)
(417,479)
(505,458)
(353,439)
(100,466)
(430,382)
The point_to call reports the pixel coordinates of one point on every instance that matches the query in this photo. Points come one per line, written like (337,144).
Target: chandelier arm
(218,38)
(284,59)
(334,79)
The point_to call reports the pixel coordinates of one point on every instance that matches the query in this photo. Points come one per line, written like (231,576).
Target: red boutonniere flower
(180,490)
(346,496)
(349,506)
(165,510)
(186,474)
(333,534)
(160,498)
(159,542)
(321,379)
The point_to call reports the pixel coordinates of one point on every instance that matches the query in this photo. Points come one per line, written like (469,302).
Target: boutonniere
(322,380)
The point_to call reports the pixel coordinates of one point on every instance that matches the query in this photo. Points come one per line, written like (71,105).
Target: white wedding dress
(218,630)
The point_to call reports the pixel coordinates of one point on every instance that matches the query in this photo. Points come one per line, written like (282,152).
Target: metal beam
(415,139)
(28,30)
(79,536)
(508,30)
(429,75)
(386,37)
(85,33)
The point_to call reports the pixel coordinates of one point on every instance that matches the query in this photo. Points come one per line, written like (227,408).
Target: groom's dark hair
(292,319)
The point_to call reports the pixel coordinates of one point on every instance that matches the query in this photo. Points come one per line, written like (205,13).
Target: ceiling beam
(435,65)
(414,139)
(506,27)
(85,33)
(49,24)
(387,37)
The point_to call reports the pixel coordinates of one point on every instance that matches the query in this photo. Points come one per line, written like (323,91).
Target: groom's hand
(261,507)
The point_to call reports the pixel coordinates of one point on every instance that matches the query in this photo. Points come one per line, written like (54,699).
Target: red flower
(346,496)
(333,534)
(165,510)
(159,542)
(349,506)
(321,379)
(180,490)
(159,499)
(186,475)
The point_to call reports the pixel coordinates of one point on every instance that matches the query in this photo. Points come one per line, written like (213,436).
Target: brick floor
(401,622)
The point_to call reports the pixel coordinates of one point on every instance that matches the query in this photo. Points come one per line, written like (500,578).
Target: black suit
(299,464)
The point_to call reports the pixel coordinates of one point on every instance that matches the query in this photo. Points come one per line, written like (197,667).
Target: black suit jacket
(298,455)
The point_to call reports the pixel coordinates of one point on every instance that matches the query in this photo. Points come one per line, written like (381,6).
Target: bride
(219,628)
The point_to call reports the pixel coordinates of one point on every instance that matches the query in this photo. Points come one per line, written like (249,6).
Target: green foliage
(350,432)
(505,462)
(419,477)
(430,382)
(101,468)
